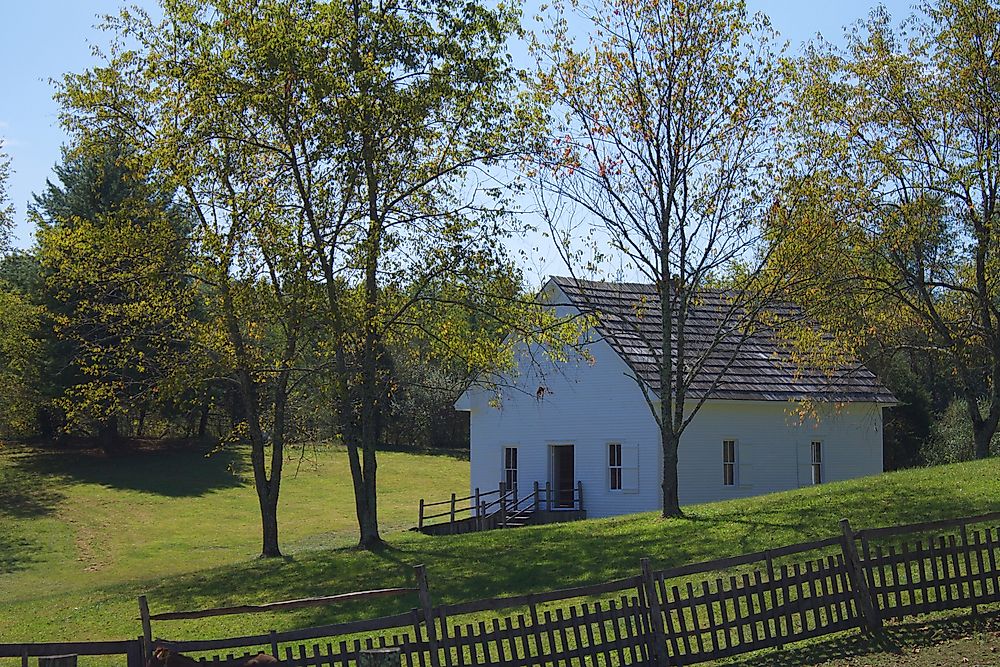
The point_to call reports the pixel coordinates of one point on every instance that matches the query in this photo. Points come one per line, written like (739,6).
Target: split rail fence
(676,616)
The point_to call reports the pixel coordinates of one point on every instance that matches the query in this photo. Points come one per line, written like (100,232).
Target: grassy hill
(87,539)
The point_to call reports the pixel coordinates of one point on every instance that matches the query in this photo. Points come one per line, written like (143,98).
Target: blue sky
(41,39)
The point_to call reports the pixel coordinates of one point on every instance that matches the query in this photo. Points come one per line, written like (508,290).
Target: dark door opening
(563,475)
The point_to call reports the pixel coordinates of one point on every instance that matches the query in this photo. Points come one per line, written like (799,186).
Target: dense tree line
(105,324)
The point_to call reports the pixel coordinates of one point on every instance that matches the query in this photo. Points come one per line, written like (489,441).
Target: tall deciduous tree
(664,126)
(428,109)
(896,184)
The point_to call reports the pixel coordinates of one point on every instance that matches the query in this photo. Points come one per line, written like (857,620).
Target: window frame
(615,447)
(816,473)
(730,466)
(510,473)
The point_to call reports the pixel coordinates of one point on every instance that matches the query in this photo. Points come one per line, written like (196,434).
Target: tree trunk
(269,525)
(203,420)
(368,522)
(107,435)
(372,401)
(982,437)
(671,502)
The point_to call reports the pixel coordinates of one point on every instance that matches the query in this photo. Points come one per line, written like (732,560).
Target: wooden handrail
(472,497)
(501,500)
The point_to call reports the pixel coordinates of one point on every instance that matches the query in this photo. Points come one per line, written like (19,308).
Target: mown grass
(196,550)
(81,536)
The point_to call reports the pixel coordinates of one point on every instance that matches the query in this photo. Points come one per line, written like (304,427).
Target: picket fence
(678,616)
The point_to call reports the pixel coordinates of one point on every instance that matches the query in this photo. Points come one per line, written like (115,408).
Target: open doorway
(562,474)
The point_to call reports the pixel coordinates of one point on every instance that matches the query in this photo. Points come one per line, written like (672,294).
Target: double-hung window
(816,461)
(729,463)
(615,466)
(510,467)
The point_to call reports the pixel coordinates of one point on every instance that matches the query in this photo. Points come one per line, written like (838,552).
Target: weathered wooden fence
(127,653)
(677,616)
(934,566)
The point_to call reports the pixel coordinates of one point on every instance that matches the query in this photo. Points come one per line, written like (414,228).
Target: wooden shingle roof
(742,365)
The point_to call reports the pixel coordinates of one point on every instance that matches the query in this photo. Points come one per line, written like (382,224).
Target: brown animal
(164,657)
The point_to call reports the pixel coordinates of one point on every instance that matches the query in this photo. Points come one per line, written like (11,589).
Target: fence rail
(130,650)
(676,616)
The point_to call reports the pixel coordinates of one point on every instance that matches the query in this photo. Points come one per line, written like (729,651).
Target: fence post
(147,627)
(420,519)
(482,514)
(548,496)
(477,501)
(134,656)
(579,488)
(24,656)
(379,657)
(659,647)
(769,564)
(862,594)
(968,569)
(535,492)
(274,644)
(427,613)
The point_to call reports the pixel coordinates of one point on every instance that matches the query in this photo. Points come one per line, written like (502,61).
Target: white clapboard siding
(589,403)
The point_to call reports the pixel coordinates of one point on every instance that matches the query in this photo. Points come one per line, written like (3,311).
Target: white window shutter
(804,459)
(744,463)
(630,468)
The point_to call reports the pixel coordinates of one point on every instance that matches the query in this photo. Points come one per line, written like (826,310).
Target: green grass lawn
(89,538)
(81,536)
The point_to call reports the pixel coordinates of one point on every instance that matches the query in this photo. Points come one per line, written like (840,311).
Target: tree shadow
(17,553)
(25,496)
(188,472)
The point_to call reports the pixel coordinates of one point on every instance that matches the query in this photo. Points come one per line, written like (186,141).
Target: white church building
(585,424)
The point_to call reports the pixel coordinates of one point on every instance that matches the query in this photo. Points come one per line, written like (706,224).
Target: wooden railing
(127,652)
(497,508)
(273,638)
(467,505)
(549,499)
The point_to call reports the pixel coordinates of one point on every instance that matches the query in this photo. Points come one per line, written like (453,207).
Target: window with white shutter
(630,468)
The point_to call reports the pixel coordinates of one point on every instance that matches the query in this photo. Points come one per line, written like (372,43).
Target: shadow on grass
(17,553)
(192,471)
(510,562)
(26,496)
(894,640)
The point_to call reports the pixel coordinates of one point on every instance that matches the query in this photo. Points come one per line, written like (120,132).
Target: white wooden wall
(589,405)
